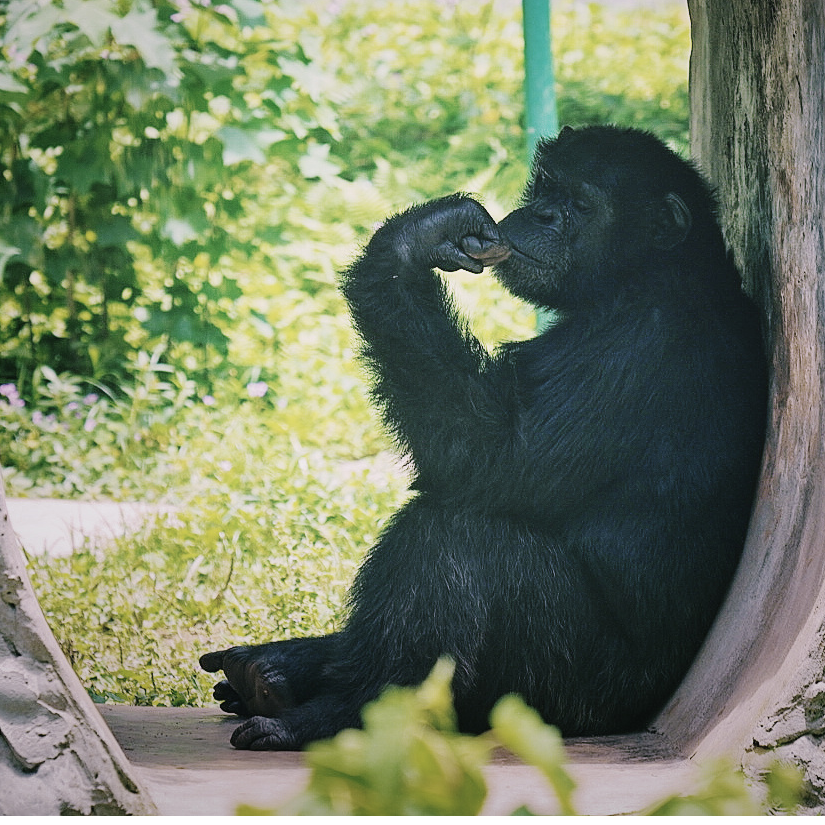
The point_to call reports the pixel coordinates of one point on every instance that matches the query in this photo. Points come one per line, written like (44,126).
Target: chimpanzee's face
(591,213)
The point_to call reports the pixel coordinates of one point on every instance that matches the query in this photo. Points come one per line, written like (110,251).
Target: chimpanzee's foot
(262,734)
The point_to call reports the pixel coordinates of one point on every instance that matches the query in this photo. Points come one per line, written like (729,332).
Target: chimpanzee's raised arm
(433,379)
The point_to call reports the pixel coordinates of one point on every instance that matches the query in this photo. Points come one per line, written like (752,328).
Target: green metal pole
(539,79)
(539,88)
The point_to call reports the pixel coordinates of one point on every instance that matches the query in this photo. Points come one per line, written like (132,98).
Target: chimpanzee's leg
(420,594)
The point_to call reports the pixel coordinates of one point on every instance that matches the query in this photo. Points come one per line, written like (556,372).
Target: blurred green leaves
(521,730)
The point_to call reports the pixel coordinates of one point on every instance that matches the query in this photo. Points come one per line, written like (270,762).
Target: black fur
(583,497)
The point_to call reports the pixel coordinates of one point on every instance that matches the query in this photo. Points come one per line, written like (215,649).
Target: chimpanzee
(581,497)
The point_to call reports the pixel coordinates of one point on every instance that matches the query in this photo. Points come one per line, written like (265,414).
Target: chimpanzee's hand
(452,233)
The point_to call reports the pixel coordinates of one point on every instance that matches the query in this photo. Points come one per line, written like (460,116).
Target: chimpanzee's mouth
(515,251)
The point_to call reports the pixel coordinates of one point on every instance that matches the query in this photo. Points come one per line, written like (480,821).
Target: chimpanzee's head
(604,208)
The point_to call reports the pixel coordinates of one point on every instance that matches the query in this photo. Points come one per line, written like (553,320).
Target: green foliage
(624,66)
(724,791)
(254,553)
(409,760)
(78,439)
(442,86)
(271,512)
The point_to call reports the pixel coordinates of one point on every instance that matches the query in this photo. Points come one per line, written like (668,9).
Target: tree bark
(56,754)
(758,108)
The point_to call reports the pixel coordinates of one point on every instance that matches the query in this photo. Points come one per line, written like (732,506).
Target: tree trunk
(56,754)
(758,108)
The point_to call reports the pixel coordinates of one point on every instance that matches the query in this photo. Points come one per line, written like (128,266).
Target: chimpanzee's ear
(672,222)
